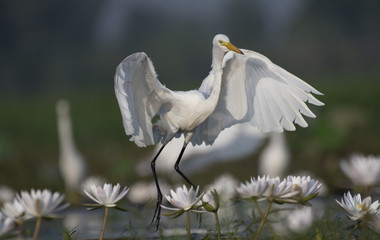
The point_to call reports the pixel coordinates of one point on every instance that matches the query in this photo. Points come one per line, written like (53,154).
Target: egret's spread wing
(207,84)
(256,90)
(140,96)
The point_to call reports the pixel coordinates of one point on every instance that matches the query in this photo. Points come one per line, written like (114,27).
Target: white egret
(72,165)
(143,192)
(6,194)
(275,157)
(243,86)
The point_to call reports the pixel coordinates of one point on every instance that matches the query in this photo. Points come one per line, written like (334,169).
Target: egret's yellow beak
(233,48)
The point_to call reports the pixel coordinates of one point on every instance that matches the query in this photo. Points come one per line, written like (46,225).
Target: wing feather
(296,81)
(286,112)
(140,96)
(275,111)
(256,90)
(291,108)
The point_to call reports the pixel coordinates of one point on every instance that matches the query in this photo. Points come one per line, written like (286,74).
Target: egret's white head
(222,42)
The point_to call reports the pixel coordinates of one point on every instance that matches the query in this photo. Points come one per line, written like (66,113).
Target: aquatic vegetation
(41,204)
(184,200)
(107,197)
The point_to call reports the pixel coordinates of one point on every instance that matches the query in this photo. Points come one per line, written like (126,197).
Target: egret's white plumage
(71,163)
(243,86)
(240,88)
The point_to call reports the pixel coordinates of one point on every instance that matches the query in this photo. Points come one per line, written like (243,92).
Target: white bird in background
(275,157)
(232,144)
(143,192)
(243,86)
(71,163)
(6,194)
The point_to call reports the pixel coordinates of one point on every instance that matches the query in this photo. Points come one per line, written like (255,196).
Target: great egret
(72,164)
(275,157)
(243,86)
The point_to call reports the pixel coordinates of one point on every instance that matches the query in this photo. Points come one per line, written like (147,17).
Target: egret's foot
(157,212)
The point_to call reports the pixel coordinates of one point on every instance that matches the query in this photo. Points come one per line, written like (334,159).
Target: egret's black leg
(157,212)
(176,166)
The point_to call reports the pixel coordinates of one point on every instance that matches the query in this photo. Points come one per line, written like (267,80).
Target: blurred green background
(69,49)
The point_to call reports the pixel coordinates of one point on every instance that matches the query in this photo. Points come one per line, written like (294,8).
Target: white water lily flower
(43,203)
(254,189)
(15,210)
(280,190)
(300,219)
(107,196)
(183,199)
(6,224)
(308,188)
(266,187)
(362,171)
(358,208)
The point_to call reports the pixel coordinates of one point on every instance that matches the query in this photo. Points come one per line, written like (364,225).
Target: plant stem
(37,228)
(263,220)
(20,225)
(267,223)
(363,229)
(217,225)
(104,223)
(354,228)
(188,224)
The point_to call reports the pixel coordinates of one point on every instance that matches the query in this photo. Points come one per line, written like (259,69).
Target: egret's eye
(220,41)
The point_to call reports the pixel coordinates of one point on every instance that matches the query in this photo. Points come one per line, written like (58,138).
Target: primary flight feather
(243,86)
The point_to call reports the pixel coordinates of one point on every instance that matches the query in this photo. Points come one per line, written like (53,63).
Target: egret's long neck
(217,60)
(65,135)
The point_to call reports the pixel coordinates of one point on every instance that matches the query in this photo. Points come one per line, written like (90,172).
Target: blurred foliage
(54,49)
